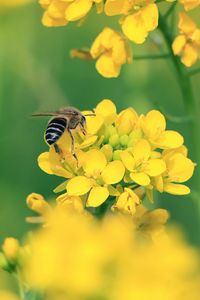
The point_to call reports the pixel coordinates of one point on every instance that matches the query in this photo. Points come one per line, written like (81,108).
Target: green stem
(190,104)
(155,56)
(170,10)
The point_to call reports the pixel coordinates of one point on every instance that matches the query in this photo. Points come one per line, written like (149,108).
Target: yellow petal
(97,196)
(127,160)
(107,109)
(140,178)
(153,124)
(113,7)
(186,24)
(141,151)
(178,44)
(155,167)
(169,139)
(78,9)
(150,16)
(106,66)
(48,21)
(95,162)
(134,28)
(94,124)
(78,186)
(190,55)
(126,121)
(88,141)
(180,168)
(107,151)
(113,172)
(43,162)
(176,189)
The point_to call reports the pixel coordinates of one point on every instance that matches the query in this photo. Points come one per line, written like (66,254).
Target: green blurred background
(37,73)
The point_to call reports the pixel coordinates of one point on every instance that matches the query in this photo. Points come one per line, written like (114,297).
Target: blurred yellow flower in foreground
(111,51)
(119,153)
(4,295)
(77,258)
(59,13)
(187,44)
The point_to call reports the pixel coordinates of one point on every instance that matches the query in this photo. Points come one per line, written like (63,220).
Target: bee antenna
(87,115)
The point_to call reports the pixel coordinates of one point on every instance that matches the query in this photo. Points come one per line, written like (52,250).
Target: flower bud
(114,140)
(11,248)
(37,203)
(124,140)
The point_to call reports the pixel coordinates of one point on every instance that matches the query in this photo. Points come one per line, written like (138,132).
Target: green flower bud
(114,140)
(124,140)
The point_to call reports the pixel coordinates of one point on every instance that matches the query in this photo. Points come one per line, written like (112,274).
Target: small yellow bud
(124,140)
(116,155)
(134,137)
(108,152)
(11,248)
(114,140)
(37,203)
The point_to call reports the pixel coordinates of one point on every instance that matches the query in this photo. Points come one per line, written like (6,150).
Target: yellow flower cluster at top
(137,19)
(121,157)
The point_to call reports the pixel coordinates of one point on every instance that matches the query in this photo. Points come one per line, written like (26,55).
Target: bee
(65,119)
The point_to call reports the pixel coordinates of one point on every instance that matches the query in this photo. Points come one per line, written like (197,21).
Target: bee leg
(82,129)
(59,152)
(57,149)
(72,147)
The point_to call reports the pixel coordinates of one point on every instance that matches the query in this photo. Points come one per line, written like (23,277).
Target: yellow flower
(150,223)
(190,4)
(179,169)
(60,12)
(5,295)
(139,163)
(187,44)
(140,17)
(70,203)
(87,259)
(111,51)
(123,149)
(37,203)
(154,125)
(127,202)
(11,248)
(98,176)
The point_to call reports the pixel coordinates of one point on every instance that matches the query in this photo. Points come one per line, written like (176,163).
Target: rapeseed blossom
(137,19)
(111,51)
(60,13)
(140,17)
(120,154)
(187,43)
(79,258)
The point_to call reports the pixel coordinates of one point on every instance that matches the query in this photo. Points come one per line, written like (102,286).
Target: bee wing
(45,114)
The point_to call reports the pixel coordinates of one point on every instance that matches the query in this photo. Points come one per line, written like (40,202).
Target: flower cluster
(137,19)
(187,43)
(78,258)
(122,157)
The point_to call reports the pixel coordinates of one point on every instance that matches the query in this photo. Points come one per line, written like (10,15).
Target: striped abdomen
(55,129)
